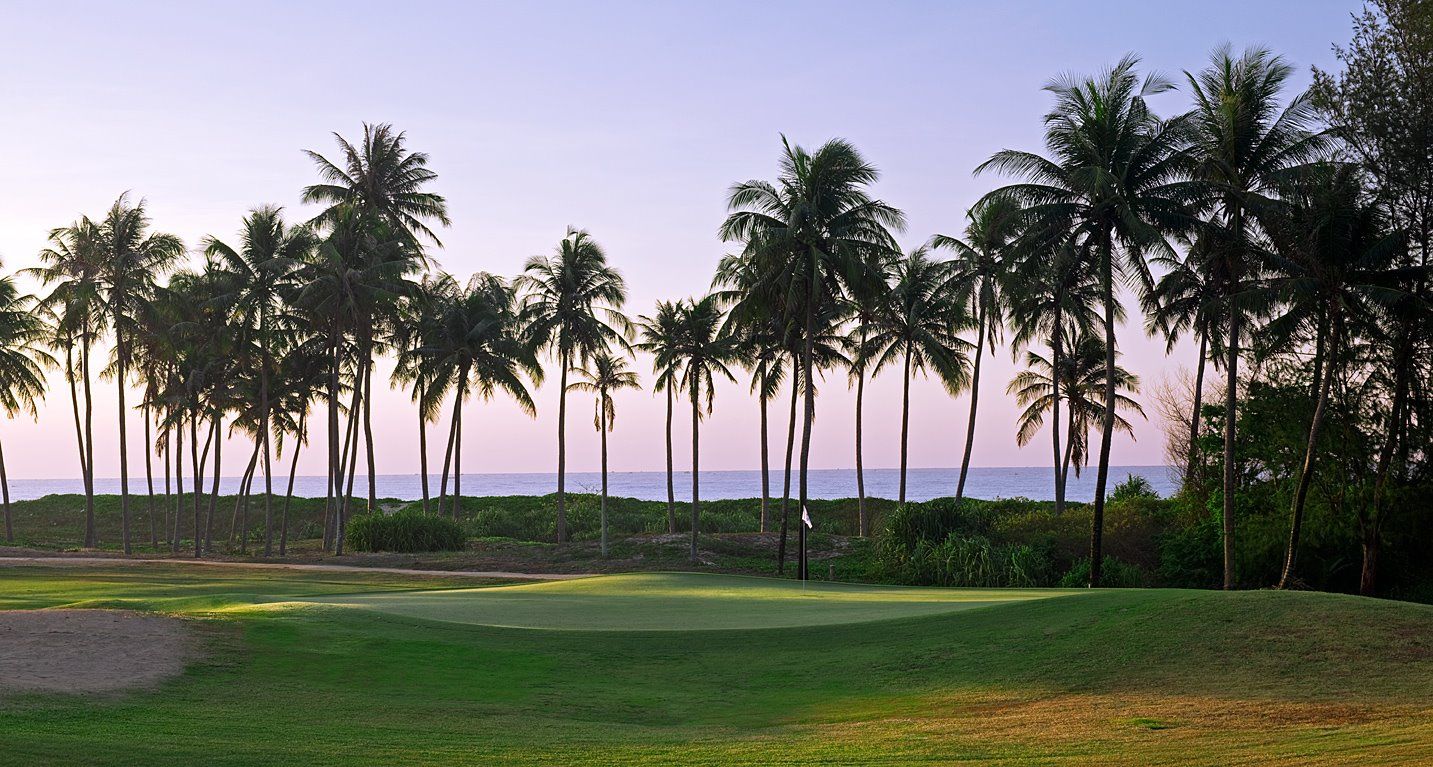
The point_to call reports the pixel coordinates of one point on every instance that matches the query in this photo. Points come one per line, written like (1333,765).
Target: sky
(630,120)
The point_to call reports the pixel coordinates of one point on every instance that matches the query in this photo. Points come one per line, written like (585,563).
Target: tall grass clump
(405,532)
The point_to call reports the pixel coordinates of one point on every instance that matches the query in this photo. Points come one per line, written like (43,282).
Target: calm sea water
(921,484)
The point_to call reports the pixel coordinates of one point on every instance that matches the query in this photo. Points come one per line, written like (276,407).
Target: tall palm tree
(980,267)
(259,270)
(1333,262)
(660,336)
(918,330)
(414,338)
(705,354)
(572,307)
(1081,376)
(866,310)
(602,376)
(811,236)
(481,349)
(1114,172)
(23,359)
(379,183)
(1244,147)
(70,264)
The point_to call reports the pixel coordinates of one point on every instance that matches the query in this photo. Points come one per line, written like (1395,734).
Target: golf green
(677,602)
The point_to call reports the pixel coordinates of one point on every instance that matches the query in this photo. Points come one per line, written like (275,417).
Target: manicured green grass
(1114,677)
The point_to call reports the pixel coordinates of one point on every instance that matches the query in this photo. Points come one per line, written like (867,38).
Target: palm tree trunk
(178,483)
(368,428)
(355,409)
(1058,467)
(905,418)
(786,481)
(217,435)
(602,426)
(863,520)
(91,534)
(809,416)
(765,523)
(168,481)
(1371,522)
(448,456)
(197,477)
(1231,391)
(289,494)
(334,481)
(123,442)
(5,498)
(458,449)
(1102,472)
(974,405)
(671,491)
(235,525)
(149,476)
(1306,472)
(268,463)
(1193,466)
(422,444)
(696,467)
(79,432)
(562,451)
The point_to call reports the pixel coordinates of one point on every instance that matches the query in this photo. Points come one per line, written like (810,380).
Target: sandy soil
(90,651)
(72,561)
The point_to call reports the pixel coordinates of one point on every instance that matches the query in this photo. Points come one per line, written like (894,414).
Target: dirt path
(120,561)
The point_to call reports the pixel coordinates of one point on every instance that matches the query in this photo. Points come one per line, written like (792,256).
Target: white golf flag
(805,517)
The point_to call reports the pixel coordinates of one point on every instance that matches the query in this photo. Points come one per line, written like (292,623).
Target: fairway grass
(356,669)
(678,602)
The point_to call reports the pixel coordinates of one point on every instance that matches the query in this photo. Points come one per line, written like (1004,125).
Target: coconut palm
(980,267)
(811,236)
(481,350)
(660,336)
(259,270)
(1333,261)
(866,310)
(1113,173)
(70,267)
(572,307)
(704,354)
(918,331)
(23,359)
(602,376)
(1244,147)
(414,340)
(1081,376)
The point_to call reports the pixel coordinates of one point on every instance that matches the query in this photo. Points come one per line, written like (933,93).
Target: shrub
(406,531)
(1134,486)
(1114,573)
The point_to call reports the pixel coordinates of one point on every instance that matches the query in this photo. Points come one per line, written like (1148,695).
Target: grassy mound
(1107,677)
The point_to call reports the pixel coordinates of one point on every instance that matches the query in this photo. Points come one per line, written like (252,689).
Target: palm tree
(1081,376)
(1114,173)
(1243,149)
(704,354)
(259,270)
(379,186)
(130,258)
(572,307)
(414,338)
(866,310)
(811,236)
(71,264)
(661,338)
(22,364)
(918,330)
(980,267)
(604,375)
(1333,260)
(481,349)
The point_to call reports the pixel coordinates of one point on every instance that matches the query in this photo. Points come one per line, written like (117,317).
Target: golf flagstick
(805,525)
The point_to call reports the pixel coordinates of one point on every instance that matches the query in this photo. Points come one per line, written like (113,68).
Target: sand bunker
(89,651)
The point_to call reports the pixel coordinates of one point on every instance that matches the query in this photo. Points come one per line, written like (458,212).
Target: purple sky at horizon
(629,120)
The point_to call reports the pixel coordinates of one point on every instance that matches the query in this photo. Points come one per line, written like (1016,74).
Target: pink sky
(630,121)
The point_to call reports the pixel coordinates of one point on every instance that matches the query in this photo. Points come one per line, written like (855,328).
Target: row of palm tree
(1231,222)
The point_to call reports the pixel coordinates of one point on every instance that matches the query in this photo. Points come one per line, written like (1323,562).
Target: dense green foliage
(406,531)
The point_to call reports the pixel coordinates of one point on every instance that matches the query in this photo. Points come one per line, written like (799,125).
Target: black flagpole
(801,564)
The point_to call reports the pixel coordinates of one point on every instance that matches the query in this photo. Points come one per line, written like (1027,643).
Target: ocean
(921,484)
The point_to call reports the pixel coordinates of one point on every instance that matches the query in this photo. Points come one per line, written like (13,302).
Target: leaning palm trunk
(351,450)
(217,436)
(268,464)
(974,406)
(91,534)
(1306,474)
(671,491)
(696,465)
(447,459)
(1102,472)
(562,451)
(149,478)
(1231,391)
(1059,465)
(5,492)
(602,427)
(458,449)
(905,419)
(197,478)
(368,427)
(422,443)
(786,481)
(765,523)
(245,480)
(79,436)
(863,521)
(1191,471)
(289,494)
